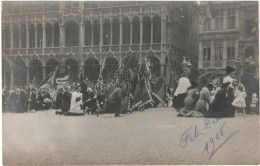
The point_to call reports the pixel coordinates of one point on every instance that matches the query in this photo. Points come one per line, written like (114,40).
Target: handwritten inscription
(215,142)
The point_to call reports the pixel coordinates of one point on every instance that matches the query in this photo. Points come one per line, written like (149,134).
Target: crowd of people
(211,97)
(207,97)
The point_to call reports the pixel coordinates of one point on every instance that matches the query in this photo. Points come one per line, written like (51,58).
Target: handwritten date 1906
(210,147)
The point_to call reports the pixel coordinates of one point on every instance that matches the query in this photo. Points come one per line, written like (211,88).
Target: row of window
(35,36)
(231,17)
(25,7)
(92,33)
(218,45)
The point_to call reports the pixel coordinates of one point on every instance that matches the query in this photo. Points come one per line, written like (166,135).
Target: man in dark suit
(84,88)
(65,105)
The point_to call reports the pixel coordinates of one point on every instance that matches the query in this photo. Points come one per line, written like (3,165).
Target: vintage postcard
(130,82)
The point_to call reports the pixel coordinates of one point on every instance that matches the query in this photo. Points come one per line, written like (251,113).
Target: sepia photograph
(130,83)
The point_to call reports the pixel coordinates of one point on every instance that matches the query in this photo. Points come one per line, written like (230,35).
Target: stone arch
(39,34)
(56,34)
(156,29)
(35,71)
(96,32)
(91,69)
(7,36)
(106,31)
(110,68)
(48,27)
(19,72)
(74,68)
(146,29)
(126,30)
(136,30)
(115,31)
(15,35)
(71,33)
(31,35)
(88,32)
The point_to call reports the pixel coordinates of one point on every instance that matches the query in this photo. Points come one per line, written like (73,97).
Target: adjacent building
(230,39)
(88,36)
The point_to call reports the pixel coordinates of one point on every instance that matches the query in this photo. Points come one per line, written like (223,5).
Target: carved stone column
(12,76)
(101,33)
(27,74)
(151,32)
(141,31)
(44,72)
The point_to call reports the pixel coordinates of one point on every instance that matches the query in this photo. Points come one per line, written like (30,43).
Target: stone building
(88,36)
(230,39)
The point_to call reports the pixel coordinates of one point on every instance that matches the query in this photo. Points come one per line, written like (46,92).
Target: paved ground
(155,136)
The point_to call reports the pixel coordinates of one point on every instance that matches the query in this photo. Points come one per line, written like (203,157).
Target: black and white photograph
(130,82)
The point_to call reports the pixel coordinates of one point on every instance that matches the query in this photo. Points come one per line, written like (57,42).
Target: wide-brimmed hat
(230,70)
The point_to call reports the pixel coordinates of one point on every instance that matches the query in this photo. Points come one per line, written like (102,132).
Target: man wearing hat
(84,87)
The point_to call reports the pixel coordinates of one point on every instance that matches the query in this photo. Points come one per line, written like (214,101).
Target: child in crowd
(239,101)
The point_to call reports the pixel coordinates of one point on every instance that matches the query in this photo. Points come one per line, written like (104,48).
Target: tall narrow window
(219,19)
(72,33)
(116,31)
(23,36)
(106,32)
(206,50)
(88,33)
(207,25)
(126,31)
(156,29)
(31,36)
(7,37)
(48,35)
(146,30)
(56,34)
(231,49)
(39,35)
(136,30)
(16,36)
(231,18)
(218,49)
(96,32)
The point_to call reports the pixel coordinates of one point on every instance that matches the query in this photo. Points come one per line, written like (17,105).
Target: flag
(59,76)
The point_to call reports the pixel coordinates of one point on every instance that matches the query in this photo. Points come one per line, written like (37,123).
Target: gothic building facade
(230,39)
(87,36)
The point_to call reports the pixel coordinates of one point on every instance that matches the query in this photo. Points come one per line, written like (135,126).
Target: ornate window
(56,34)
(39,35)
(218,49)
(146,30)
(72,33)
(231,18)
(231,49)
(126,31)
(48,35)
(31,36)
(219,19)
(74,4)
(96,33)
(206,50)
(156,29)
(106,32)
(23,36)
(16,36)
(88,33)
(116,31)
(136,30)
(207,25)
(7,37)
